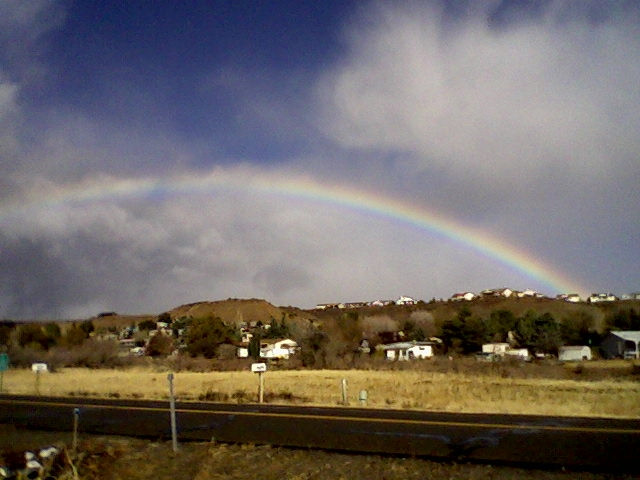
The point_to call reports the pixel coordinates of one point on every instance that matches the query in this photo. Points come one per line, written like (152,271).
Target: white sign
(39,367)
(258,367)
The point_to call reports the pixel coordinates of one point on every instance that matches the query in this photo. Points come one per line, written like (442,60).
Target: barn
(621,344)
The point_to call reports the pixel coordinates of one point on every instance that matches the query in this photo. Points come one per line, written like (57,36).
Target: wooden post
(261,387)
(345,400)
(37,382)
(172,407)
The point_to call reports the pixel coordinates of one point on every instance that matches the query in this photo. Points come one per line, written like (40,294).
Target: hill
(234,311)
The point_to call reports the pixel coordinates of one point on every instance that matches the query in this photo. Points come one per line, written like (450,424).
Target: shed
(571,353)
(621,344)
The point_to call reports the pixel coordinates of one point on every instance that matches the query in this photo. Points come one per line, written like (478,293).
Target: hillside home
(602,297)
(405,301)
(631,296)
(459,297)
(282,348)
(621,344)
(497,292)
(574,353)
(408,350)
(569,297)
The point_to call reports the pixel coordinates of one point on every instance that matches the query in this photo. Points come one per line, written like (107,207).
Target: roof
(633,335)
(403,345)
(573,347)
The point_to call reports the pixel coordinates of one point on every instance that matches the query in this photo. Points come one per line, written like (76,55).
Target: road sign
(4,362)
(258,367)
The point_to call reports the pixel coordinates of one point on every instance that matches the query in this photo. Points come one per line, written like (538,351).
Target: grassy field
(477,391)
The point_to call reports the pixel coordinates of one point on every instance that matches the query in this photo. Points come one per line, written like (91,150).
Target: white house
(282,348)
(408,350)
(405,301)
(602,297)
(497,348)
(497,292)
(574,353)
(631,296)
(458,297)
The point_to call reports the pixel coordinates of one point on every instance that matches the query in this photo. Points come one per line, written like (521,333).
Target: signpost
(260,368)
(38,368)
(4,365)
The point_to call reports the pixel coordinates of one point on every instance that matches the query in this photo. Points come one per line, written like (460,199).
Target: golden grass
(456,392)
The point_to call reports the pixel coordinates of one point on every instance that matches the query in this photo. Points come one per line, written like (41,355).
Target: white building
(408,350)
(574,353)
(497,348)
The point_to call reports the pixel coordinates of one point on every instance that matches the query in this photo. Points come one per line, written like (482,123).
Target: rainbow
(302,187)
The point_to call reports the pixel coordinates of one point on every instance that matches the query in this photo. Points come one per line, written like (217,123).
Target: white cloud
(508,103)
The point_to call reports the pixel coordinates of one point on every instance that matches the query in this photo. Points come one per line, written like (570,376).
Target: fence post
(172,407)
(345,400)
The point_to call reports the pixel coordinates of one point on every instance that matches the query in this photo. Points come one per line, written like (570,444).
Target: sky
(156,153)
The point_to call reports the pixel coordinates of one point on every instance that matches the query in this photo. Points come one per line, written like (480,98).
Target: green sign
(4,362)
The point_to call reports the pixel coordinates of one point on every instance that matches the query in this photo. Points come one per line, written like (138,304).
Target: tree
(539,332)
(204,335)
(74,336)
(87,327)
(160,345)
(464,332)
(254,347)
(577,329)
(500,323)
(147,325)
(627,319)
(33,335)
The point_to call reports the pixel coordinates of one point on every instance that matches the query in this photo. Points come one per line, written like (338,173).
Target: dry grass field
(488,392)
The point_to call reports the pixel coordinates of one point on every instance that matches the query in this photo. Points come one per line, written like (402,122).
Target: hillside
(234,311)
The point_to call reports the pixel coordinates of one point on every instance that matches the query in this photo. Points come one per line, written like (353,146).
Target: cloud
(494,103)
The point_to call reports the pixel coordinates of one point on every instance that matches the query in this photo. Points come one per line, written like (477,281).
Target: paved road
(582,443)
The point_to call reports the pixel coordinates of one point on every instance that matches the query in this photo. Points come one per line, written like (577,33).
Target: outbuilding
(621,344)
(571,353)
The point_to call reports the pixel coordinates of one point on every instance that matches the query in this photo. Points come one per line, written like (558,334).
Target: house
(631,296)
(405,301)
(497,292)
(574,353)
(569,297)
(602,297)
(458,297)
(621,344)
(496,348)
(282,348)
(529,293)
(381,303)
(408,350)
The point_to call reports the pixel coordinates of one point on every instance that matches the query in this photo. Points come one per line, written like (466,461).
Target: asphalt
(602,444)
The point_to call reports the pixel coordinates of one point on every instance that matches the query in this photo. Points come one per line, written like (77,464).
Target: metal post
(74,445)
(172,405)
(261,387)
(345,400)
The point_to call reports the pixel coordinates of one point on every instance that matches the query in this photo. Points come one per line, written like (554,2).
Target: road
(572,442)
